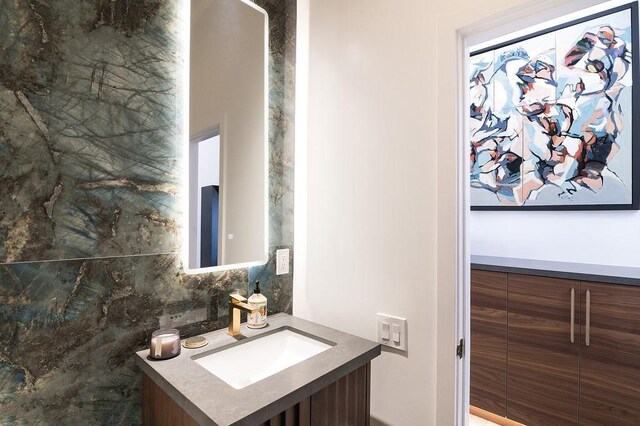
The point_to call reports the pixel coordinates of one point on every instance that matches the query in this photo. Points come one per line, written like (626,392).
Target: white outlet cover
(282,261)
(395,324)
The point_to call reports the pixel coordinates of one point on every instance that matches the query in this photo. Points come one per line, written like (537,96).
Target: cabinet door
(489,341)
(542,382)
(610,363)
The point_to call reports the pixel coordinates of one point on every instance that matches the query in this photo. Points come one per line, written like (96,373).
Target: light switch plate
(395,323)
(282,261)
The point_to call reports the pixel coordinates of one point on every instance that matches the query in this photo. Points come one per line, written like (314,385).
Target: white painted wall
(209,162)
(379,187)
(370,200)
(602,238)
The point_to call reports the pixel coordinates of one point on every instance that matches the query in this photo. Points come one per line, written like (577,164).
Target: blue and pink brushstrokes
(551,117)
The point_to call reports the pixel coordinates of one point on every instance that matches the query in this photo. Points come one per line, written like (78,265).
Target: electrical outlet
(179,319)
(282,261)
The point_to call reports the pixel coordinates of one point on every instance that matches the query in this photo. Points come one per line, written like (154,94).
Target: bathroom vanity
(261,379)
(555,343)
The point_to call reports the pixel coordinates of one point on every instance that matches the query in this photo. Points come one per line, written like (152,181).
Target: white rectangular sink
(261,357)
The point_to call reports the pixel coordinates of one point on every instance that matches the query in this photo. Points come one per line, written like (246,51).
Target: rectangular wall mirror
(227,144)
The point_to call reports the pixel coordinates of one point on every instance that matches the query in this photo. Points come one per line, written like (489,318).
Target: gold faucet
(236,305)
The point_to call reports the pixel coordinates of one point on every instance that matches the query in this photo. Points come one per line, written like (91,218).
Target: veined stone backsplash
(88,114)
(89,220)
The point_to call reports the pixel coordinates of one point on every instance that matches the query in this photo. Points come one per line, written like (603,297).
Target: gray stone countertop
(575,271)
(211,401)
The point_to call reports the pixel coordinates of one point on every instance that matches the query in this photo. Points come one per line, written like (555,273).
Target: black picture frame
(635,110)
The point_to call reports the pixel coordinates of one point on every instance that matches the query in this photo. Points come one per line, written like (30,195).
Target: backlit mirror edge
(188,235)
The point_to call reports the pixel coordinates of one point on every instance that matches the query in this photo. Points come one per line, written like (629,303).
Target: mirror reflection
(227,185)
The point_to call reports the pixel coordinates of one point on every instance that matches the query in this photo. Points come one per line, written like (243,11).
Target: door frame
(502,26)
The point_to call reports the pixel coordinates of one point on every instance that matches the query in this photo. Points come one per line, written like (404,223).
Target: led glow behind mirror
(226,140)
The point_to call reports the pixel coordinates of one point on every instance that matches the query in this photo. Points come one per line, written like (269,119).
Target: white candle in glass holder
(165,343)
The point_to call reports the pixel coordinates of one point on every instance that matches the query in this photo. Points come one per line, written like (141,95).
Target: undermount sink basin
(260,357)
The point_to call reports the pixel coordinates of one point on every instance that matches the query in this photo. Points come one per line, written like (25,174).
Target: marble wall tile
(89,167)
(282,30)
(88,137)
(68,331)
(278,289)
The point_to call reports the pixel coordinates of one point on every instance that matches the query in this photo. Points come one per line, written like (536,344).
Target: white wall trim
(463,305)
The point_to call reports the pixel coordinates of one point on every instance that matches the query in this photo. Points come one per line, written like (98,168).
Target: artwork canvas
(551,118)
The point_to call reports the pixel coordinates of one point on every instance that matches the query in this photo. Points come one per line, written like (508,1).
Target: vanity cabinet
(344,402)
(331,387)
(572,350)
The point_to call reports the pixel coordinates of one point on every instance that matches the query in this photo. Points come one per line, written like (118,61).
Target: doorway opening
(480,231)
(208,208)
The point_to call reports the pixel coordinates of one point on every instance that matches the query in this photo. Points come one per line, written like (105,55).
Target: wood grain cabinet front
(489,341)
(572,351)
(542,366)
(610,355)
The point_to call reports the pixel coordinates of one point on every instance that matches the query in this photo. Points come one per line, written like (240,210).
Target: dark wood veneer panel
(610,365)
(345,402)
(159,409)
(298,415)
(489,341)
(542,366)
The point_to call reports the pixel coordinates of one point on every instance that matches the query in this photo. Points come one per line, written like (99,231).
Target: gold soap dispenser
(257,319)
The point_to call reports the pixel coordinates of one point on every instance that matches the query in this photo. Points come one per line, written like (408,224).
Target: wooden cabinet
(610,360)
(159,409)
(489,341)
(344,402)
(542,381)
(556,376)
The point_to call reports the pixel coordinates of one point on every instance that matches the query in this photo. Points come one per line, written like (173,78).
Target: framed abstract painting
(551,118)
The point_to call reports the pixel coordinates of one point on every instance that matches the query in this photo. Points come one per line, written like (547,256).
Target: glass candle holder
(165,343)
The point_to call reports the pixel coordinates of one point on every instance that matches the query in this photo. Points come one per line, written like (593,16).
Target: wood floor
(479,421)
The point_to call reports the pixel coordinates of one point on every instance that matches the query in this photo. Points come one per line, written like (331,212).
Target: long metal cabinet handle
(587,338)
(573,314)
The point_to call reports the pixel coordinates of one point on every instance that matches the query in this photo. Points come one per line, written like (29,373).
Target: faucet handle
(237,297)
